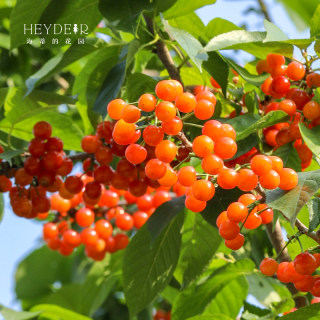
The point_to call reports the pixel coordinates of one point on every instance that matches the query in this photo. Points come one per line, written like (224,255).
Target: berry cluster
(299,271)
(292,88)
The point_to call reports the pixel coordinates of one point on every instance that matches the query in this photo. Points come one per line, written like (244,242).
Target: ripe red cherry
(305,263)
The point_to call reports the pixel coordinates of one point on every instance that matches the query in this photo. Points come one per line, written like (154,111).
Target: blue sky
(19,236)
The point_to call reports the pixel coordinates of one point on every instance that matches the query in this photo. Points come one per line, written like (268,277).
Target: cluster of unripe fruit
(292,91)
(299,272)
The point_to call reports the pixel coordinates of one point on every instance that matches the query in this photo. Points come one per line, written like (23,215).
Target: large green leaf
(311,312)
(25,13)
(211,317)
(125,14)
(314,209)
(137,84)
(9,314)
(183,7)
(73,13)
(230,299)
(37,273)
(197,297)
(218,69)
(200,241)
(311,137)
(190,23)
(144,278)
(291,202)
(51,311)
(22,113)
(110,88)
(89,81)
(60,61)
(300,12)
(250,123)
(188,43)
(289,156)
(273,32)
(218,26)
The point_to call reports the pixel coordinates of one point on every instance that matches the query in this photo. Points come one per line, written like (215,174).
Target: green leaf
(314,217)
(52,98)
(218,26)
(211,317)
(256,80)
(22,113)
(137,84)
(230,299)
(183,7)
(273,32)
(221,200)
(191,76)
(60,61)
(289,156)
(9,314)
(245,145)
(37,272)
(311,137)
(197,297)
(89,80)
(187,42)
(144,278)
(190,23)
(10,154)
(218,69)
(199,243)
(24,13)
(311,312)
(125,14)
(300,12)
(51,310)
(291,202)
(228,39)
(70,13)
(248,124)
(315,23)
(110,88)
(252,101)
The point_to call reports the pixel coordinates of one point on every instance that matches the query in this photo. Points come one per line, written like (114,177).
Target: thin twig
(264,10)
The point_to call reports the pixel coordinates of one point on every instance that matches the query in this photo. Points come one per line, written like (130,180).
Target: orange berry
(172,127)
(204,109)
(212,164)
(206,95)
(228,178)
(115,107)
(277,163)
(130,113)
(295,71)
(202,146)
(186,102)
(214,83)
(270,180)
(288,106)
(147,102)
(237,211)
(135,153)
(313,80)
(247,199)
(194,204)
(225,148)
(253,221)
(261,164)
(222,217)
(166,151)
(168,90)
(236,243)
(187,176)
(203,190)
(275,60)
(229,230)
(169,179)
(155,169)
(247,180)
(288,179)
(165,111)
(153,135)
(268,266)
(311,110)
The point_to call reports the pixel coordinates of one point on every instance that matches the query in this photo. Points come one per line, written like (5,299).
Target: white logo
(66,29)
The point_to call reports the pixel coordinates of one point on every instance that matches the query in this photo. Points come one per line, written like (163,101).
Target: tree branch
(278,243)
(303,229)
(264,10)
(164,54)
(181,136)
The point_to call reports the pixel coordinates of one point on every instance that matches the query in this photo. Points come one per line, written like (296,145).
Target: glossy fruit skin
(229,230)
(295,71)
(288,179)
(203,190)
(202,146)
(147,102)
(84,217)
(311,110)
(236,243)
(186,102)
(305,263)
(187,176)
(268,266)
(228,179)
(237,211)
(225,148)
(261,164)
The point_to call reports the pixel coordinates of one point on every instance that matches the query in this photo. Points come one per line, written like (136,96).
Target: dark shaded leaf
(314,213)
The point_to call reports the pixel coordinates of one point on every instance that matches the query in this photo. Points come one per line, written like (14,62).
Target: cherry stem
(192,125)
(187,116)
(181,162)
